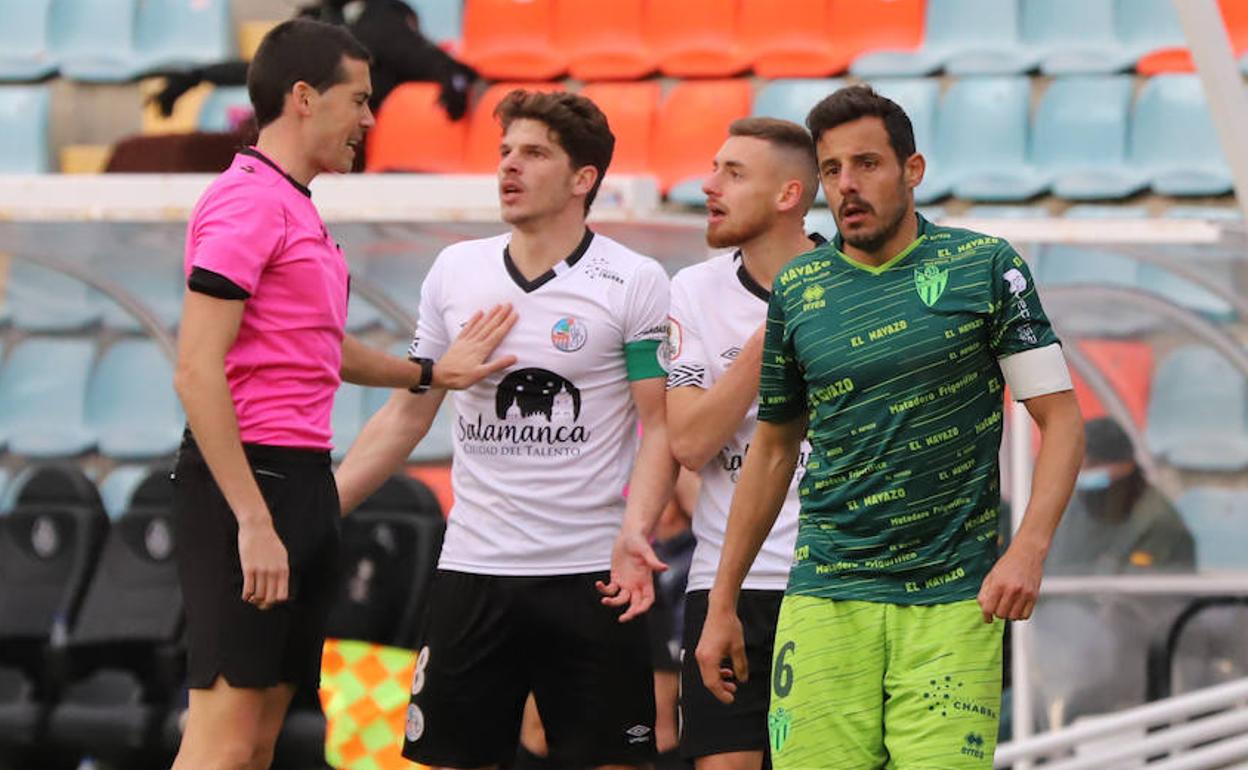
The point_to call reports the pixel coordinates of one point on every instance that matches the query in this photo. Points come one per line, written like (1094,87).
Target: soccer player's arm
(231,241)
(633,561)
(703,419)
(1031,361)
(759,496)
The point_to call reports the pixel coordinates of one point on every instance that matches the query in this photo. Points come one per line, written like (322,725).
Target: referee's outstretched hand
(266,568)
(464,364)
(722,641)
(633,564)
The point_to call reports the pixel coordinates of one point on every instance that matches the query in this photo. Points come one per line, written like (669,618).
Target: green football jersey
(897,370)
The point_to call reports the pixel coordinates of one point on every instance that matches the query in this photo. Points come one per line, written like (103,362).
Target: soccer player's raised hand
(464,364)
(633,564)
(722,639)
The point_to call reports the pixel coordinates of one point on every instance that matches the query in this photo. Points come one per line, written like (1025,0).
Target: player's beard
(729,235)
(873,242)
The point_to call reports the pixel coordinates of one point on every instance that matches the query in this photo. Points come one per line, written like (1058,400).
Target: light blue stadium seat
(43,300)
(1080,138)
(214,113)
(964,37)
(1210,213)
(131,405)
(1105,211)
(24,50)
(1146,25)
(442,21)
(920,98)
(94,39)
(361,314)
(1218,520)
(1176,289)
(1198,411)
(687,193)
(154,280)
(399,276)
(346,420)
(172,35)
(1006,212)
(1173,139)
(1075,37)
(792,98)
(118,488)
(1059,265)
(981,140)
(24,123)
(43,388)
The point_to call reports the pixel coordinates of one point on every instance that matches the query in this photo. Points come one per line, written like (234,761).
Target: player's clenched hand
(1011,588)
(464,363)
(633,564)
(266,569)
(722,639)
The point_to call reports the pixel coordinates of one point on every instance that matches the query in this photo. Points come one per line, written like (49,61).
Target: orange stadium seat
(794,44)
(602,39)
(630,109)
(864,26)
(1178,59)
(695,38)
(693,123)
(413,133)
(1127,367)
(484,133)
(512,39)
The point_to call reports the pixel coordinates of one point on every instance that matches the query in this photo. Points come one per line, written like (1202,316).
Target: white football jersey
(715,308)
(544,449)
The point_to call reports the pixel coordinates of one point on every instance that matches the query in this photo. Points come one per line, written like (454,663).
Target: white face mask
(1094,480)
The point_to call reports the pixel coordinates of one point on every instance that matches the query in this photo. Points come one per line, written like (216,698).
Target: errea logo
(638,734)
(974,746)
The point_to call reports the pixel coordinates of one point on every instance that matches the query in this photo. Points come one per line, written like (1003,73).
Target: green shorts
(865,685)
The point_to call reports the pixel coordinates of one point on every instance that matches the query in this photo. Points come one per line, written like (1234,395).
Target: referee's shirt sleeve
(782,389)
(689,365)
(431,339)
(232,241)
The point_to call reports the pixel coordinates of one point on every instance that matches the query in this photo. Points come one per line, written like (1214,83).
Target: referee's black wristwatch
(426,375)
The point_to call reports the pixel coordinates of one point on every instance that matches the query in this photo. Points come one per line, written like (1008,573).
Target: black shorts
(488,641)
(706,725)
(231,638)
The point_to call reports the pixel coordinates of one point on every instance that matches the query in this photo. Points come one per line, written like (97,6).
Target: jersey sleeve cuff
(214,284)
(1036,372)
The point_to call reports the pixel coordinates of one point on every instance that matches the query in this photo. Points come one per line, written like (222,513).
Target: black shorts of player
(706,725)
(226,636)
(488,641)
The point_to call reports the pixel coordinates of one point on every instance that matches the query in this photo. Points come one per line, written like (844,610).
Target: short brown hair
(785,135)
(298,50)
(579,127)
(861,101)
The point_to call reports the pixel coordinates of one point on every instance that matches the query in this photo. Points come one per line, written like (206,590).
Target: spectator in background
(1118,522)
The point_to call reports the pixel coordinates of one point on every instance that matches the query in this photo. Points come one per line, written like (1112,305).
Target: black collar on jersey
(839,242)
(254,153)
(753,286)
(533,285)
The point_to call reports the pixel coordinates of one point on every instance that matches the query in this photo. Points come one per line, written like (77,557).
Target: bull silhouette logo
(526,392)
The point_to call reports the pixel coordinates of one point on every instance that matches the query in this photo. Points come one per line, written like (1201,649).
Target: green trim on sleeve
(641,358)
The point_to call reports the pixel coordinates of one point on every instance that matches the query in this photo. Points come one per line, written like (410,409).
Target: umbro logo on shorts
(638,734)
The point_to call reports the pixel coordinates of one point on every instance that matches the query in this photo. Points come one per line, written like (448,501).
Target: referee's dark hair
(861,101)
(298,50)
(579,126)
(789,136)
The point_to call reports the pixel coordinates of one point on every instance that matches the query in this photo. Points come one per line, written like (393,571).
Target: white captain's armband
(1036,372)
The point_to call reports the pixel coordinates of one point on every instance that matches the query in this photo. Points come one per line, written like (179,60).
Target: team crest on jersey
(930,283)
(675,338)
(569,334)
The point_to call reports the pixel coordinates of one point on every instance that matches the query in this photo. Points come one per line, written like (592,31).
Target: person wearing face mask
(1118,522)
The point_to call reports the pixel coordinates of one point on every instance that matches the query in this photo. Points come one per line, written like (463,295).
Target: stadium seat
(512,39)
(963,37)
(794,44)
(413,133)
(603,39)
(155,282)
(1074,37)
(131,405)
(861,27)
(346,420)
(118,488)
(484,132)
(693,123)
(981,140)
(43,389)
(1127,366)
(94,39)
(24,48)
(1186,294)
(25,125)
(1060,265)
(223,107)
(1210,213)
(1145,26)
(1080,138)
(630,109)
(792,99)
(1218,520)
(994,211)
(695,38)
(1105,211)
(361,314)
(920,98)
(43,300)
(1198,415)
(1173,139)
(174,35)
(441,21)
(1179,59)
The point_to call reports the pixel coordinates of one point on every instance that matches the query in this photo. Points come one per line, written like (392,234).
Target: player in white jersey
(764,181)
(542,548)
